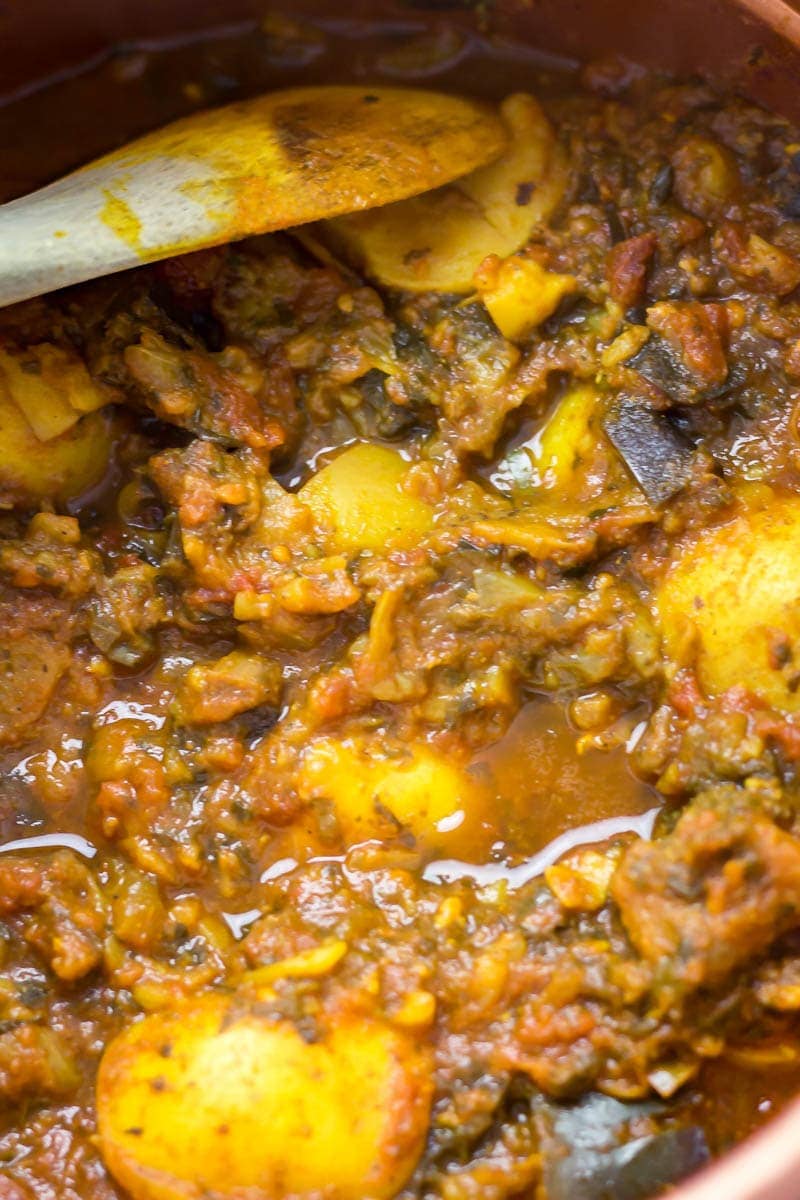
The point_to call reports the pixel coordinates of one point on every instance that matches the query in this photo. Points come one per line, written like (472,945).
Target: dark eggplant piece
(658,458)
(658,363)
(389,420)
(639,1170)
(661,187)
(587,1153)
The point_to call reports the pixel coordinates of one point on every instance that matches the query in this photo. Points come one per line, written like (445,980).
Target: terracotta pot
(753,45)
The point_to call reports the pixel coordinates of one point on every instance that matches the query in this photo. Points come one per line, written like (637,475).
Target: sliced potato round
(436,242)
(57,469)
(731,602)
(376,793)
(213,1104)
(359,497)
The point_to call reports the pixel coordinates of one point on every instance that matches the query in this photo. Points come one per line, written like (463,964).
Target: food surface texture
(400,655)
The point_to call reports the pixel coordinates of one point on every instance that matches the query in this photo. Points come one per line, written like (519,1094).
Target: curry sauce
(399,685)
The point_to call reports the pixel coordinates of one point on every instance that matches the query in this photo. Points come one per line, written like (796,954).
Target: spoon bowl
(275,161)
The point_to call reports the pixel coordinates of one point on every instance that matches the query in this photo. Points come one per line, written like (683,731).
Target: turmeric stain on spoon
(118,215)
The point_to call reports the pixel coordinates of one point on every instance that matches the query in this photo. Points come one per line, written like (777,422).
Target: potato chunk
(377,792)
(359,496)
(568,438)
(437,241)
(737,589)
(519,293)
(50,387)
(56,469)
(216,1103)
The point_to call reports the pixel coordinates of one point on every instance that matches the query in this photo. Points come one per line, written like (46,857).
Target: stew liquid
(399,710)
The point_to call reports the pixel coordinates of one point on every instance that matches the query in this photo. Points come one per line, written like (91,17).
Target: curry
(399,677)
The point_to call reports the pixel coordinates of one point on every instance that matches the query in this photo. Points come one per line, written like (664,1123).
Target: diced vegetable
(217,691)
(582,880)
(56,469)
(377,794)
(626,268)
(656,455)
(731,602)
(567,437)
(359,497)
(137,911)
(218,1100)
(701,934)
(190,388)
(30,669)
(128,752)
(638,1170)
(308,964)
(505,591)
(685,356)
(628,343)
(778,985)
(668,1078)
(706,176)
(520,293)
(50,387)
(543,534)
(436,242)
(755,261)
(601,1148)
(37,1062)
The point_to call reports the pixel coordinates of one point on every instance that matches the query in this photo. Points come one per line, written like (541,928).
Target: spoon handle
(92,224)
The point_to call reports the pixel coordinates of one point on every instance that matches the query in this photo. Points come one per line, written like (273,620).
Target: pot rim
(765,1166)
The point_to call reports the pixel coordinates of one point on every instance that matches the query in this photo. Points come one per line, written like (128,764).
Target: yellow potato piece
(210,1103)
(437,241)
(519,293)
(733,599)
(568,438)
(376,794)
(57,469)
(50,387)
(359,497)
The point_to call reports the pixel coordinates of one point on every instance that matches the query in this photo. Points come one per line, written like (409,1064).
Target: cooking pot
(750,45)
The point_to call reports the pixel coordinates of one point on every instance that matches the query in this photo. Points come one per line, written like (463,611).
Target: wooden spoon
(263,164)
